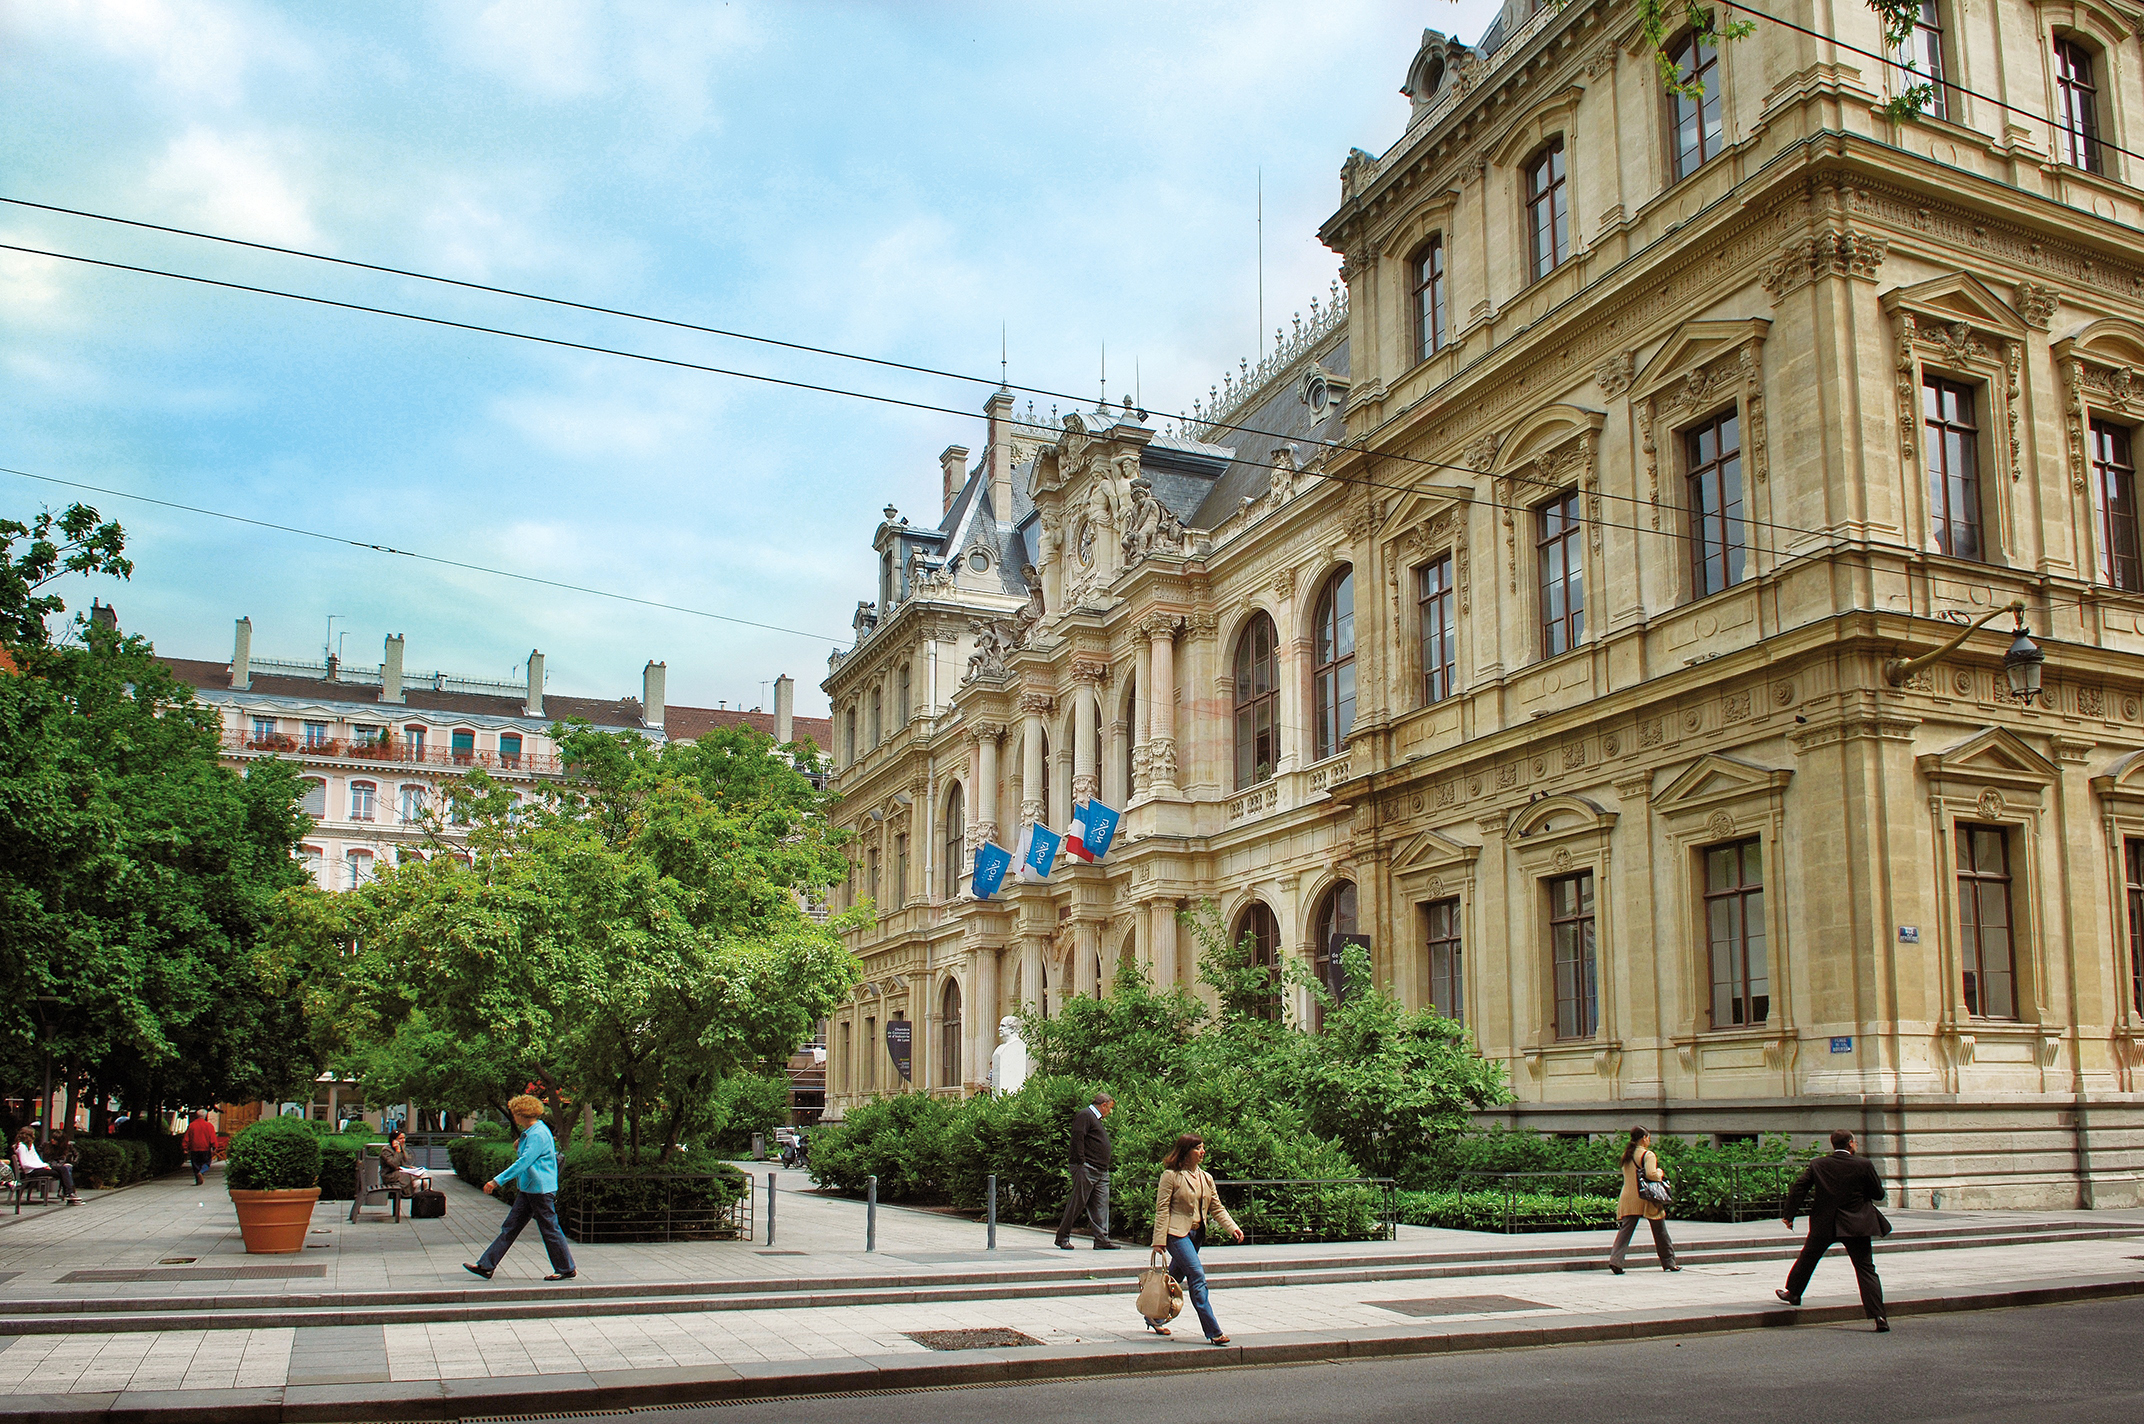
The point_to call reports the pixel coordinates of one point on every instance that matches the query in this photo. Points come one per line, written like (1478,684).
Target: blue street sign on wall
(1842,1045)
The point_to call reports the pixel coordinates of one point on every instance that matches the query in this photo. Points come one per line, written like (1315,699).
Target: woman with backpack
(1645,1194)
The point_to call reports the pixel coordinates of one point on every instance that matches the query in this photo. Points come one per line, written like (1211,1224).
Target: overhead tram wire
(412,554)
(926,406)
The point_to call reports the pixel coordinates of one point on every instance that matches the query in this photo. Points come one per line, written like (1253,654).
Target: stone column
(986,782)
(1034,955)
(1086,948)
(1291,654)
(1161,920)
(1160,630)
(1088,679)
(1114,792)
(984,1013)
(1034,707)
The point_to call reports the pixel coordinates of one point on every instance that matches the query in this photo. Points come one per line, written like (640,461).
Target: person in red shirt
(200,1144)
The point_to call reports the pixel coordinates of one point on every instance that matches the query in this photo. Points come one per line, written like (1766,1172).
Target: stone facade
(1631,506)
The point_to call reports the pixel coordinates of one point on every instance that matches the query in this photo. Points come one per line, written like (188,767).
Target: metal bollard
(770,1208)
(990,1200)
(870,1213)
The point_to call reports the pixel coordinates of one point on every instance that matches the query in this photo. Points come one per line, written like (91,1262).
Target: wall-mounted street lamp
(2021,664)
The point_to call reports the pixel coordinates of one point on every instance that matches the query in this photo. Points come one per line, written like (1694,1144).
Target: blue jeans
(544,1207)
(1190,1272)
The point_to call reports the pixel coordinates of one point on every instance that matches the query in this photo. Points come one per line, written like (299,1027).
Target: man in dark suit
(1844,1210)
(1091,1161)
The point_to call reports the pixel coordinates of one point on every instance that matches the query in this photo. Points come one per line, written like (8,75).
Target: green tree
(70,542)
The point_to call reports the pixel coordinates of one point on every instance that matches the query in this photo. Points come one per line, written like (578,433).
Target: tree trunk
(617,1122)
(99,1114)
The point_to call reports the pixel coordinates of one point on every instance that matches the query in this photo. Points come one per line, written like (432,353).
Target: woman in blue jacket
(536,1165)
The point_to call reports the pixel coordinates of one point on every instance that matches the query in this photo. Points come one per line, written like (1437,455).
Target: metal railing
(1742,1205)
(1281,1209)
(686,1206)
(1505,1185)
(392,751)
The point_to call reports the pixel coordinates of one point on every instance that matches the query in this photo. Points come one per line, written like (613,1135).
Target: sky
(902,180)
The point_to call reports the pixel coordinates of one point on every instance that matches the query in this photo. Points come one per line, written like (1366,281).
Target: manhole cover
(1459,1305)
(178,1260)
(970,1339)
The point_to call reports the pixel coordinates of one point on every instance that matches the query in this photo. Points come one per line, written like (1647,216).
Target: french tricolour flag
(1038,850)
(1094,826)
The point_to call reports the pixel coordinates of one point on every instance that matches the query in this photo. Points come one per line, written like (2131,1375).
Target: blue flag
(1038,850)
(1094,826)
(991,862)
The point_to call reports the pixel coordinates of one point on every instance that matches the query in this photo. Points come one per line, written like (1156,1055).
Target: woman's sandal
(563,1276)
(1217,1339)
(1157,1329)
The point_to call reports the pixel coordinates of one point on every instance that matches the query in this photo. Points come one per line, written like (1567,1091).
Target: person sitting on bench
(29,1166)
(398,1172)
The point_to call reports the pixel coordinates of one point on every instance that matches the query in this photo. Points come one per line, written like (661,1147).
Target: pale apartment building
(1546,611)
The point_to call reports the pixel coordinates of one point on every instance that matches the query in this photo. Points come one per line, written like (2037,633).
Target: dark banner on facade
(899,1036)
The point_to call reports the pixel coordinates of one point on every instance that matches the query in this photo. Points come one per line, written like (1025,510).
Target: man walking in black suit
(1847,1189)
(1091,1162)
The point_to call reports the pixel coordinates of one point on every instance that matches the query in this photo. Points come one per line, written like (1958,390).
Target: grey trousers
(1628,1227)
(1089,1199)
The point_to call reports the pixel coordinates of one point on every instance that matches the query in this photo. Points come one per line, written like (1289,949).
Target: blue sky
(890,179)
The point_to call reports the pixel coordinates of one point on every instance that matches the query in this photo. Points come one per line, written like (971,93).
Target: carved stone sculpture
(1009,1064)
(992,642)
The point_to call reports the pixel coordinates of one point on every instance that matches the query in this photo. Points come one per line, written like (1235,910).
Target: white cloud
(240,184)
(551,47)
(197,51)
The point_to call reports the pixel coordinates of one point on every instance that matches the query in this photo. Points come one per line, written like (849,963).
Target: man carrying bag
(1847,1189)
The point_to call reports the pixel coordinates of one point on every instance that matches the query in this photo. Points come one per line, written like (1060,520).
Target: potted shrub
(274,1173)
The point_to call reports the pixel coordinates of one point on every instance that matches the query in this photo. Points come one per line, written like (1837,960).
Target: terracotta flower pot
(274,1222)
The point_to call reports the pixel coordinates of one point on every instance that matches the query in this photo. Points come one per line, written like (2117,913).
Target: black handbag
(1655,1192)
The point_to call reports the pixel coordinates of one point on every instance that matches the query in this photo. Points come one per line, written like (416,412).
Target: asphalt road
(2043,1364)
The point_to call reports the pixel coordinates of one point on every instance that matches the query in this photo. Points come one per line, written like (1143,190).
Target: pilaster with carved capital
(1091,672)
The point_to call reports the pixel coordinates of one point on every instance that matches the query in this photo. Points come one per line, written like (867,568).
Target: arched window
(956,840)
(315,801)
(1257,924)
(1335,667)
(364,798)
(949,1035)
(358,863)
(1428,281)
(2077,107)
(1336,918)
(1548,211)
(1696,114)
(1257,703)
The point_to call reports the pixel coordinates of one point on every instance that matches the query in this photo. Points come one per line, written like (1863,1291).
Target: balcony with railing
(393,751)
(1288,790)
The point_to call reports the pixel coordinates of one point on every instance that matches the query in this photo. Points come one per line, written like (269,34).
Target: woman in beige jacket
(1187,1197)
(1638,1158)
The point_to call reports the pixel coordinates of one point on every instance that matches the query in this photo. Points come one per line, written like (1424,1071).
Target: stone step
(101,1316)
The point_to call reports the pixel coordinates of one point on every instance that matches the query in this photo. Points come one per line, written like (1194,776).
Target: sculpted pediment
(2111,342)
(1433,851)
(1547,431)
(1560,815)
(1994,754)
(1713,778)
(1691,348)
(1958,297)
(2124,779)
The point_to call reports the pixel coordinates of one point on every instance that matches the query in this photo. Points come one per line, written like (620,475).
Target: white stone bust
(1008,1061)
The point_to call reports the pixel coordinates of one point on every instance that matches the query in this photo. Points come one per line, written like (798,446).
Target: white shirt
(31,1162)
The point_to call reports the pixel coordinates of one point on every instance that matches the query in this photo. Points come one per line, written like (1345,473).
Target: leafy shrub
(478,1159)
(275,1154)
(1711,1181)
(164,1150)
(338,1165)
(1482,1209)
(597,1206)
(485,1127)
(900,1140)
(102,1164)
(746,1103)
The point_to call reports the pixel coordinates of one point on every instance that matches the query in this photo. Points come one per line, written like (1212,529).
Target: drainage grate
(781,1253)
(970,1339)
(178,1260)
(1459,1305)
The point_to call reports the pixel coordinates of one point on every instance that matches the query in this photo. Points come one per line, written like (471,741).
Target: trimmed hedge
(1483,1210)
(274,1154)
(478,1159)
(165,1151)
(338,1165)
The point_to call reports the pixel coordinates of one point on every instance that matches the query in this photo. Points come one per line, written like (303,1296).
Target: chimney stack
(999,456)
(242,656)
(654,678)
(535,704)
(785,696)
(953,466)
(391,671)
(103,615)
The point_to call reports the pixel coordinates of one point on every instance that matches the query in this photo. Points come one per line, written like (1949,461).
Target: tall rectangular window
(878,719)
(1986,943)
(1447,977)
(363,799)
(414,799)
(315,802)
(316,734)
(1429,299)
(901,707)
(509,749)
(1571,947)
(1953,466)
(2077,107)
(870,1054)
(2133,867)
(1713,457)
(1563,575)
(1923,49)
(1440,643)
(848,1060)
(2114,480)
(413,738)
(900,871)
(1548,211)
(263,728)
(871,875)
(1734,934)
(463,745)
(1696,108)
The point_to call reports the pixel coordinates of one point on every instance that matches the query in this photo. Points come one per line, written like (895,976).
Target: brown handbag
(1160,1297)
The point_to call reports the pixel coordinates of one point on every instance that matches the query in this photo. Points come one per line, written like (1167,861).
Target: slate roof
(1290,420)
(680,723)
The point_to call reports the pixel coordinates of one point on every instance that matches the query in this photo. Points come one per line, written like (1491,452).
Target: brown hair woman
(1186,1199)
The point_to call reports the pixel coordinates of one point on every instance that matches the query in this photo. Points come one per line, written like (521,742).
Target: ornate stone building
(1569,675)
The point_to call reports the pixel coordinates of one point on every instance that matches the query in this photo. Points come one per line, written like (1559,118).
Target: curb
(614,1391)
